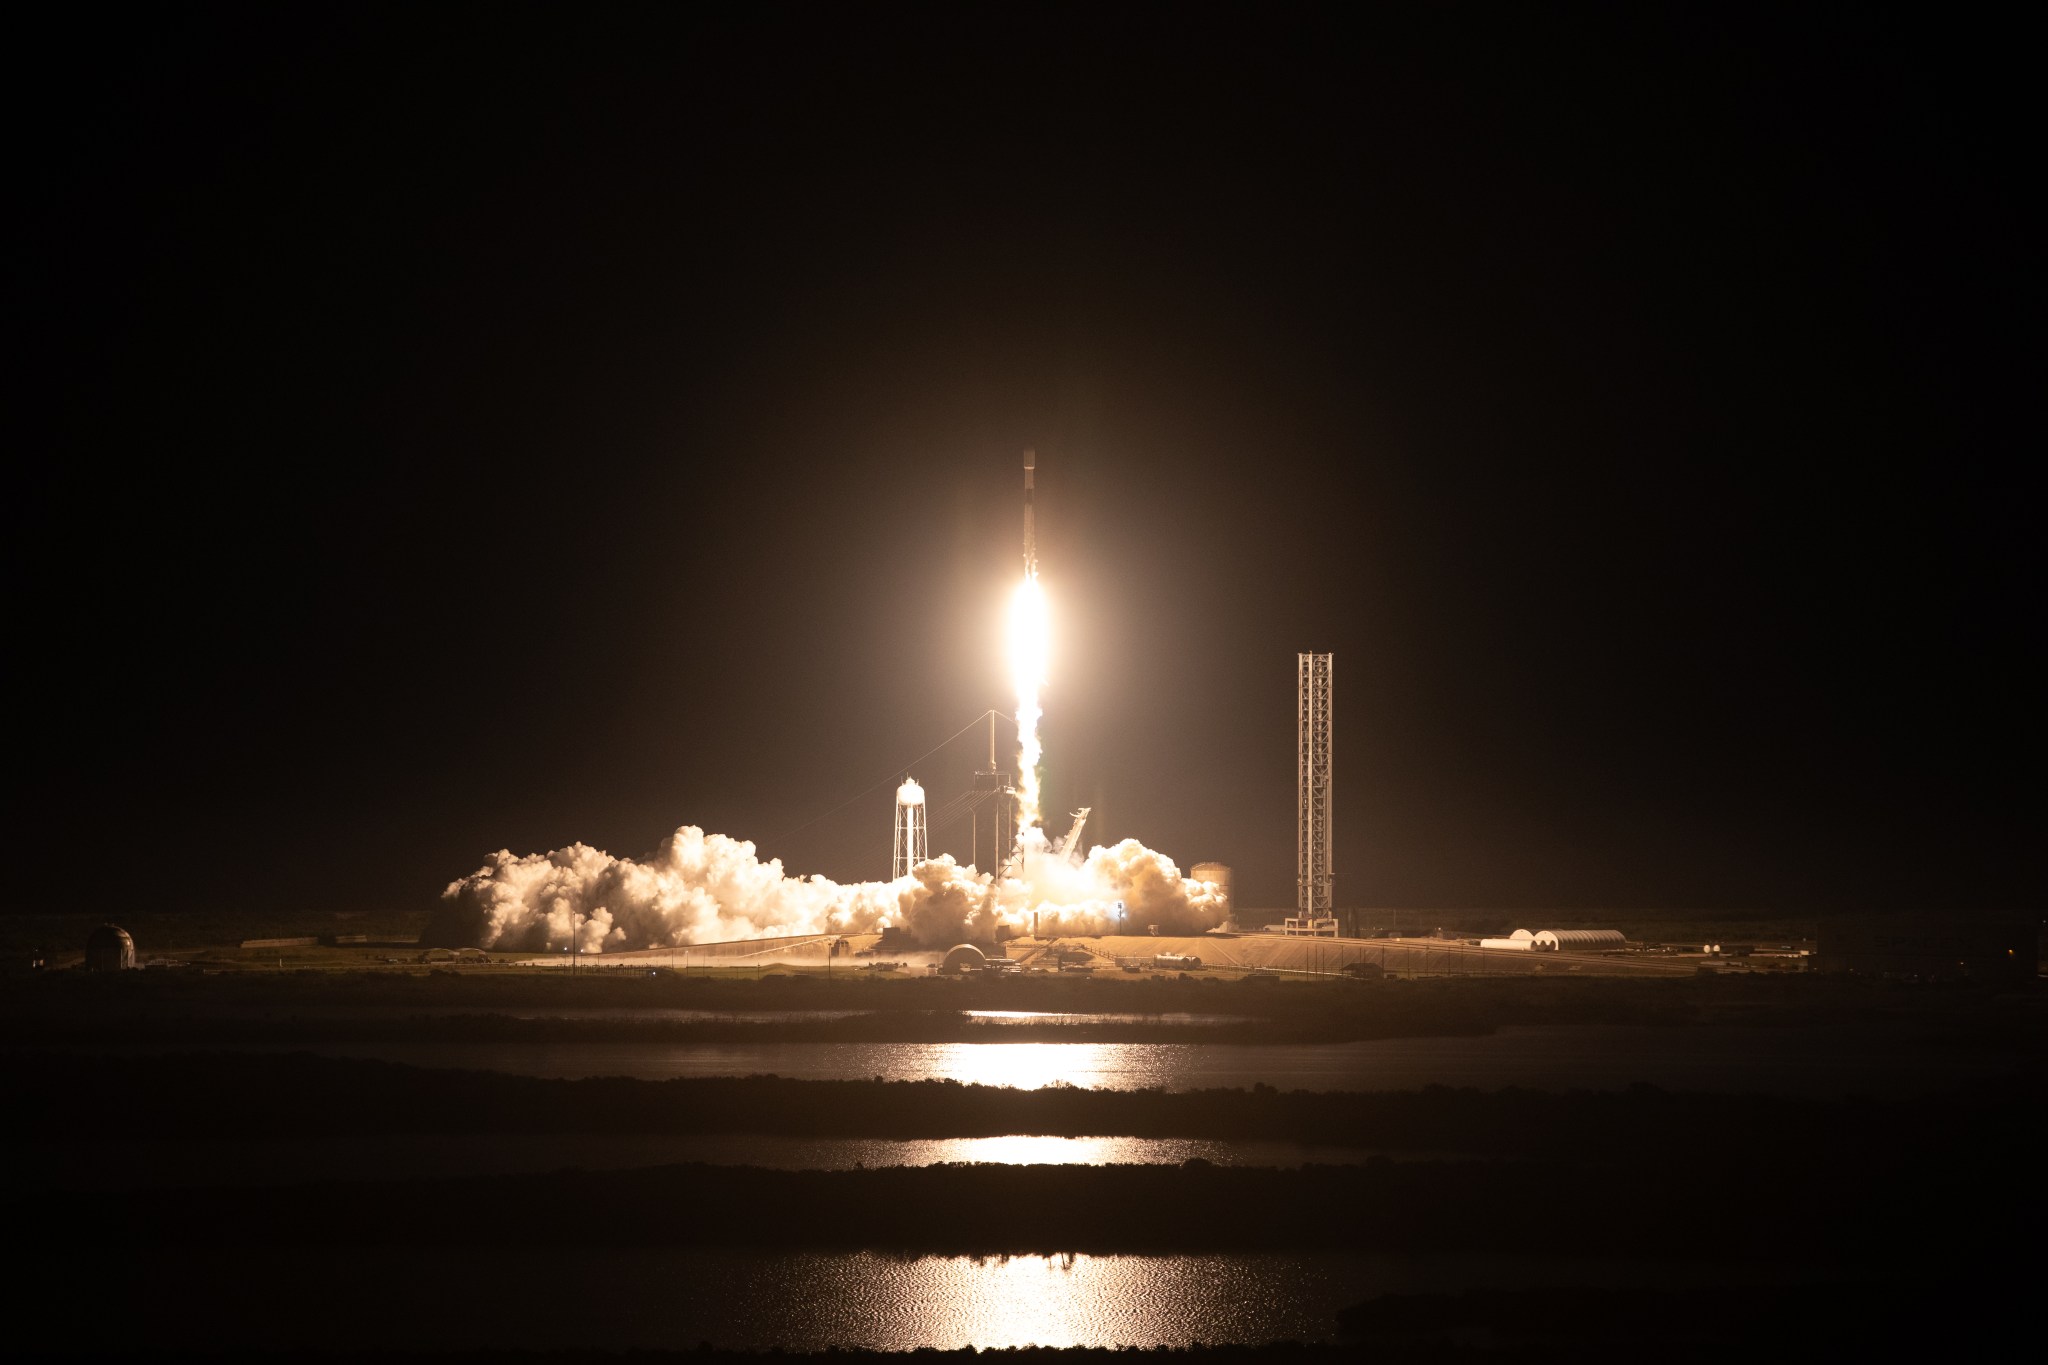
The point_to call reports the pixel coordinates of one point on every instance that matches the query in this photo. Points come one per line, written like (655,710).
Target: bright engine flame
(1029,647)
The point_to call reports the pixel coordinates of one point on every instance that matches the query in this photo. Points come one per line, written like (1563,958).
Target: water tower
(912,844)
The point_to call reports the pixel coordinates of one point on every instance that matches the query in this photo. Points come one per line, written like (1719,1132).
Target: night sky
(438,429)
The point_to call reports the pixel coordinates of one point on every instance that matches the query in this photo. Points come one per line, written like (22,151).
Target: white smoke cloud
(707,888)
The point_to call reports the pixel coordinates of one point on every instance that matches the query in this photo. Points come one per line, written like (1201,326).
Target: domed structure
(965,958)
(109,949)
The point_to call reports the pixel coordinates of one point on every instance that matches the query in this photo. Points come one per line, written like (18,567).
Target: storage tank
(1580,941)
(109,949)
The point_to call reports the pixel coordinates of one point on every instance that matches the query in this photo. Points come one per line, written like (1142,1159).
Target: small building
(1521,941)
(109,948)
(1176,962)
(1579,941)
(964,957)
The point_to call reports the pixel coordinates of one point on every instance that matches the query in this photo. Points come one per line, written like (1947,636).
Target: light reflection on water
(1025,1066)
(1099,1017)
(1070,1300)
(688,1015)
(1542,1057)
(535,1299)
(1816,1061)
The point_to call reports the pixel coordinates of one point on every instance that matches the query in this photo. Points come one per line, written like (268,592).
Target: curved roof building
(1580,941)
(109,949)
(964,958)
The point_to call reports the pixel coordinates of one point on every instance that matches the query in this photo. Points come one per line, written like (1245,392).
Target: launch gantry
(1315,890)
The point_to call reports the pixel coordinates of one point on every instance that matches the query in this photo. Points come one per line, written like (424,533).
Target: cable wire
(890,776)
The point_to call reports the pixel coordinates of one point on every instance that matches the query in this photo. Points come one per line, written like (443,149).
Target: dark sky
(439,429)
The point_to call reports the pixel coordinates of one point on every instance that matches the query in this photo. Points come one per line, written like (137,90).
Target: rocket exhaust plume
(706,888)
(1029,648)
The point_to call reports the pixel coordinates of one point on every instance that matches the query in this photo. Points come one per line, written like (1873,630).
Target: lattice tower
(1315,886)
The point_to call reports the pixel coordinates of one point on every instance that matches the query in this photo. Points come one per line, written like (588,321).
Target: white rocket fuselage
(1030,527)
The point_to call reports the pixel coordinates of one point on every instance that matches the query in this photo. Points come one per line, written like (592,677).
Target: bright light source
(1030,649)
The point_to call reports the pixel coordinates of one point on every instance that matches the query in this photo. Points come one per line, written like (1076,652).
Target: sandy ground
(1232,955)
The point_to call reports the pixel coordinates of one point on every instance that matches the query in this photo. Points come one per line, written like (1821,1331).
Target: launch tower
(994,808)
(1315,885)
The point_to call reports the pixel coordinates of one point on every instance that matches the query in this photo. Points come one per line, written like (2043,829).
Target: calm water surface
(762,1016)
(1563,1057)
(537,1298)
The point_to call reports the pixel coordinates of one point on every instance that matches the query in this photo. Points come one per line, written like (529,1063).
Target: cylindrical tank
(109,949)
(1217,873)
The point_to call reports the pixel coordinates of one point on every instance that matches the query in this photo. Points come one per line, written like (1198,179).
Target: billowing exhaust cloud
(707,888)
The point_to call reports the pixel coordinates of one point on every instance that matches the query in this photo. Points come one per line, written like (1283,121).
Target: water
(681,1014)
(534,1298)
(1817,1062)
(133,1164)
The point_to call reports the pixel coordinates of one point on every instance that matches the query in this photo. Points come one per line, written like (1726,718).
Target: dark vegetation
(1557,1208)
(196,1096)
(1850,1190)
(1702,1336)
(1844,1183)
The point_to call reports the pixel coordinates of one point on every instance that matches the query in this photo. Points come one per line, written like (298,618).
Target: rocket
(1030,527)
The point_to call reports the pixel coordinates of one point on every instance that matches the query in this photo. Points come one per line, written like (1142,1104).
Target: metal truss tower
(1315,887)
(993,803)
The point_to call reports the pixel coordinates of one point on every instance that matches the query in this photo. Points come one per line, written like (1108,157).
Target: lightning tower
(1315,885)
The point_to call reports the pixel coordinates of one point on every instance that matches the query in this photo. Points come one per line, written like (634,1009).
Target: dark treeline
(305,1006)
(1856,1211)
(881,1026)
(1421,1350)
(63,1097)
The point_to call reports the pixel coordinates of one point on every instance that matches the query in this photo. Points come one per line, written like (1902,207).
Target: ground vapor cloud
(708,888)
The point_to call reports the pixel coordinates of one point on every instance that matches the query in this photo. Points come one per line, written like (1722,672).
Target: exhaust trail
(698,887)
(1030,648)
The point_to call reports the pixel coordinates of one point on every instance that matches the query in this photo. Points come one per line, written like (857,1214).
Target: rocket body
(1029,639)
(1030,524)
